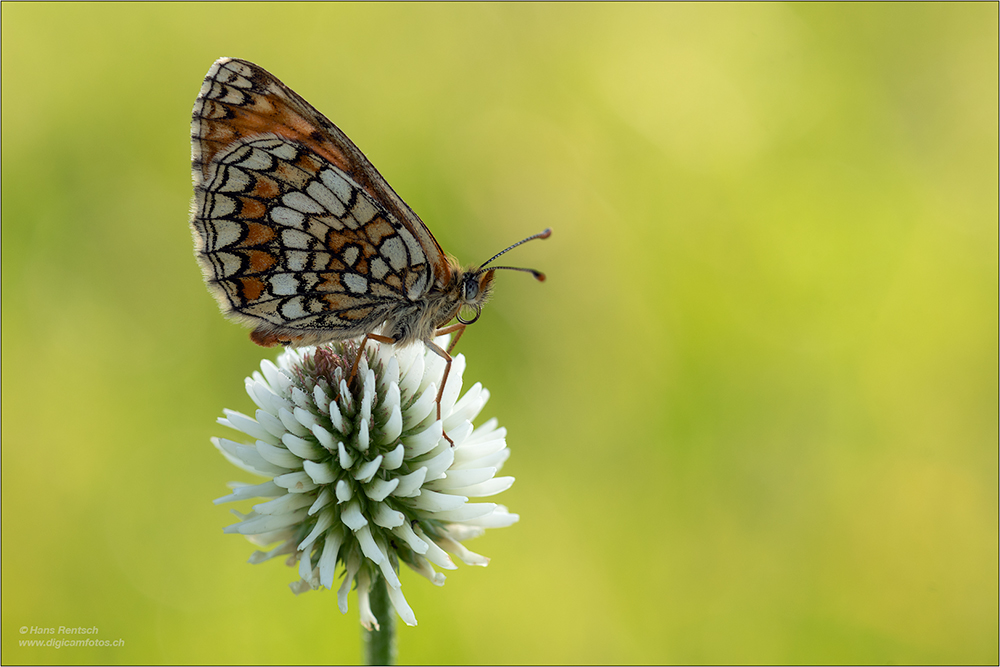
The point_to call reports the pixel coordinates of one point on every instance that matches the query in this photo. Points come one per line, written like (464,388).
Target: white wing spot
(336,182)
(292,309)
(379,268)
(234,155)
(326,198)
(351,255)
(293,238)
(416,252)
(258,160)
(287,217)
(302,202)
(226,233)
(222,206)
(284,284)
(232,67)
(418,288)
(394,251)
(320,223)
(214,87)
(355,283)
(230,263)
(320,260)
(236,181)
(297,260)
(285,151)
(269,144)
(363,210)
(232,96)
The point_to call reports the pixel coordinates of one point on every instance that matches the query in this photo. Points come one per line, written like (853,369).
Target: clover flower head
(361,476)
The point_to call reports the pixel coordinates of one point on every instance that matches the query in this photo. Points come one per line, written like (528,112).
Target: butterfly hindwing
(292,225)
(288,239)
(239,99)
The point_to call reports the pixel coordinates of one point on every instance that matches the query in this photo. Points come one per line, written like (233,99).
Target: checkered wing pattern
(296,232)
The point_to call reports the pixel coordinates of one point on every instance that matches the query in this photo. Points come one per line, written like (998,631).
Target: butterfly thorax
(468,288)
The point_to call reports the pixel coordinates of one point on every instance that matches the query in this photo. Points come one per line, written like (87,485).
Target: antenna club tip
(539,276)
(546,234)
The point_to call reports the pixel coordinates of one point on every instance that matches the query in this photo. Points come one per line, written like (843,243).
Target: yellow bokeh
(752,411)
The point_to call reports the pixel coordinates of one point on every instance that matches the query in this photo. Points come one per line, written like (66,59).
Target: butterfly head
(476,284)
(476,287)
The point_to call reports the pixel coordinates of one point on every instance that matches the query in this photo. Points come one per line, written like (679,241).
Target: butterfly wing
(297,234)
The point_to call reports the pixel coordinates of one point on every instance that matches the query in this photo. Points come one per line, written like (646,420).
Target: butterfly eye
(470,290)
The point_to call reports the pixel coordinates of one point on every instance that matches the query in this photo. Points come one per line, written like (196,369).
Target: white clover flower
(362,476)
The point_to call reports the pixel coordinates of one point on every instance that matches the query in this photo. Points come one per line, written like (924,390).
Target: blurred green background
(753,411)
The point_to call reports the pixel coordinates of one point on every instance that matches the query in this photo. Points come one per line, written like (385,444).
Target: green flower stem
(380,645)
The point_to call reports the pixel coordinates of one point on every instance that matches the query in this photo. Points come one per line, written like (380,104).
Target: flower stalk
(380,642)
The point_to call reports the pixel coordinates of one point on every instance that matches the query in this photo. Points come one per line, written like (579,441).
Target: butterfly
(298,235)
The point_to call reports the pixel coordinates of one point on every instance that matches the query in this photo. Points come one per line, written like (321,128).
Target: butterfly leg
(460,328)
(361,351)
(444,380)
(446,355)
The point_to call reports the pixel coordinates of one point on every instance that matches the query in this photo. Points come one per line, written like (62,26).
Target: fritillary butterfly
(300,238)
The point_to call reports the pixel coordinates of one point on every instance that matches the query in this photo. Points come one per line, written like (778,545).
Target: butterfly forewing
(297,233)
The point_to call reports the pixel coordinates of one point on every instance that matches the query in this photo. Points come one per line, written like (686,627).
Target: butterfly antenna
(537,274)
